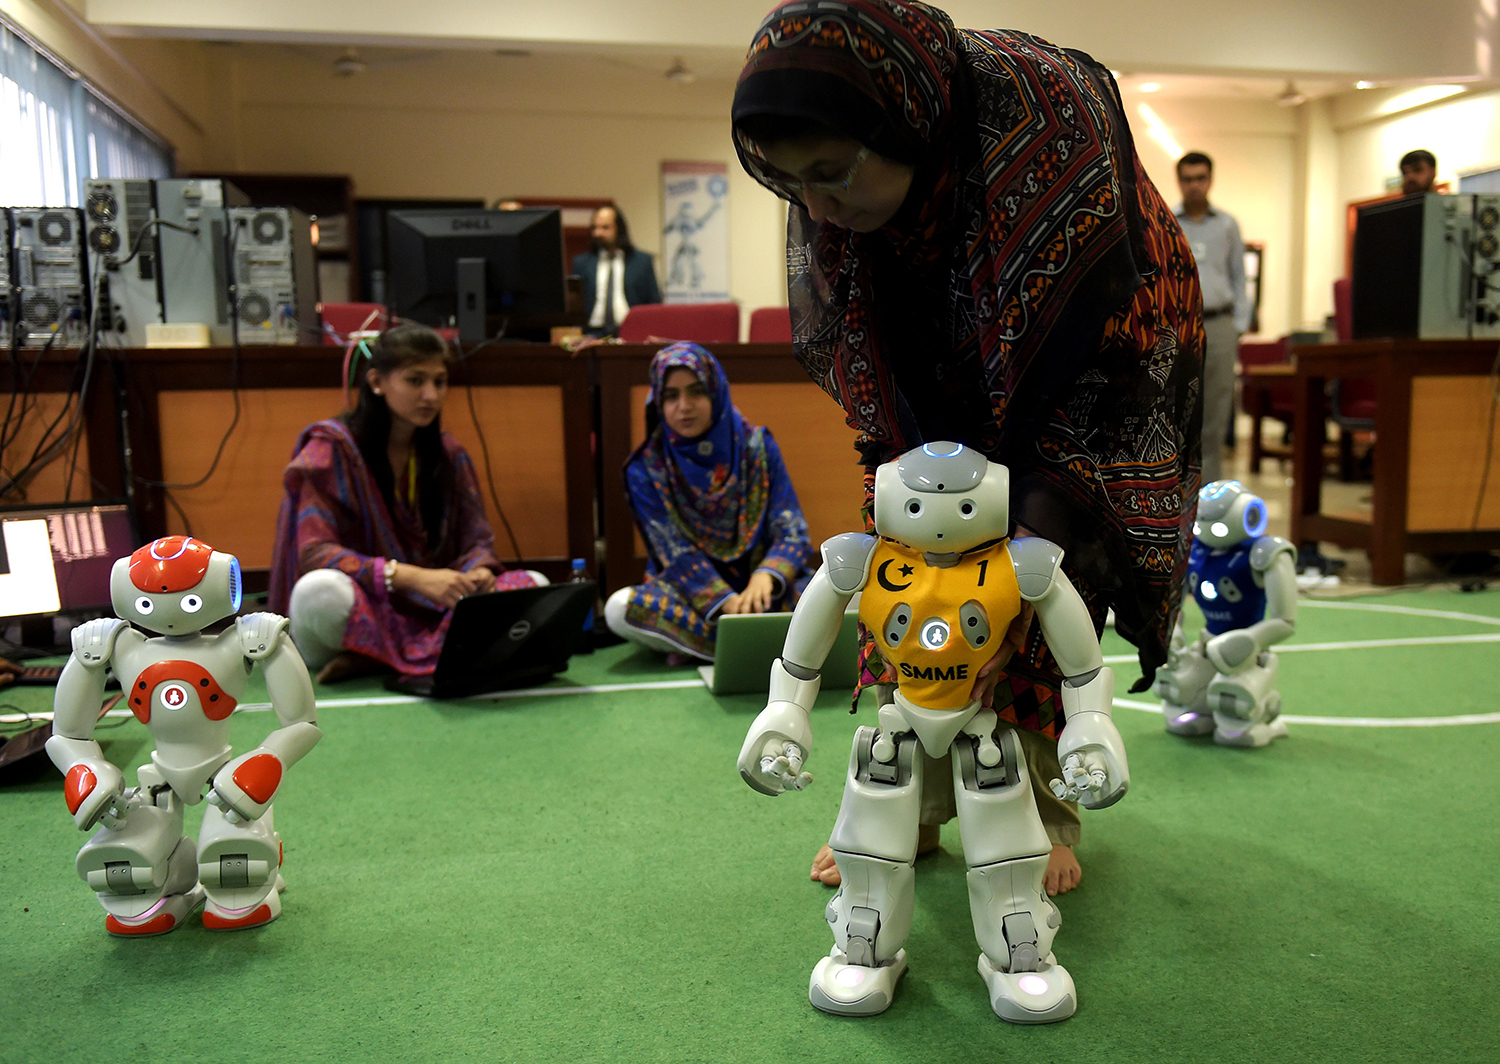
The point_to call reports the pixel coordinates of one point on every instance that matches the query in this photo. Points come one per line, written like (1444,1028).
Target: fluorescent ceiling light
(1157,130)
(1423,94)
(1149,86)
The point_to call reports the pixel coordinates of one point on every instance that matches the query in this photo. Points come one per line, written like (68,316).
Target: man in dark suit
(616,275)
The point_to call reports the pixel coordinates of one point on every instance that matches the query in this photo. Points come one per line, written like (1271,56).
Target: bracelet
(390,575)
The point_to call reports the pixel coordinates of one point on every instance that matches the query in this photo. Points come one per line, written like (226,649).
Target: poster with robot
(695,232)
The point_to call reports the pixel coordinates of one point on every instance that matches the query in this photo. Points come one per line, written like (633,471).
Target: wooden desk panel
(51,482)
(235,510)
(1449,419)
(523,427)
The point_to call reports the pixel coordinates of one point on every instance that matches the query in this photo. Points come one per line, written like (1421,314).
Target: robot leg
(874,843)
(1246,705)
(1183,686)
(142,867)
(1006,849)
(239,865)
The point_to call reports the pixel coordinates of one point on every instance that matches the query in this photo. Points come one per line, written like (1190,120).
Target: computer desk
(1433,429)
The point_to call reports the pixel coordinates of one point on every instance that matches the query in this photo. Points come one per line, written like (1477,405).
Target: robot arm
(780,738)
(246,786)
(92,784)
(1092,753)
(1272,561)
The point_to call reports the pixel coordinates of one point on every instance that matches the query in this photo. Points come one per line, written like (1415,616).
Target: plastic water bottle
(581,575)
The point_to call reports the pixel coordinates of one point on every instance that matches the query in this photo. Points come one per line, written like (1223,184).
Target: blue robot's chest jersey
(1225,587)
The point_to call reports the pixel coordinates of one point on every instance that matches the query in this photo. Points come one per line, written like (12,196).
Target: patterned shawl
(717,486)
(1031,261)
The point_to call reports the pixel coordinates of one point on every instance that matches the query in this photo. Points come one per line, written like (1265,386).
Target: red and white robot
(183,685)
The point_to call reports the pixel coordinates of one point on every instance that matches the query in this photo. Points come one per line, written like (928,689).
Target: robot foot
(1184,721)
(1242,733)
(168,914)
(218,918)
(853,990)
(1043,996)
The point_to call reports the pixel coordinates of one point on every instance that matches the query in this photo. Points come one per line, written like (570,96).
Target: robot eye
(914,507)
(143,605)
(1197,530)
(191,603)
(1219,528)
(966,509)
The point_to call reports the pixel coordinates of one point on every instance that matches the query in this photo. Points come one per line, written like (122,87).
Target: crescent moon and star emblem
(885,581)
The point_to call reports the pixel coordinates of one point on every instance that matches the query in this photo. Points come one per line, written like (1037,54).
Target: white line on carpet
(1410,611)
(1354,722)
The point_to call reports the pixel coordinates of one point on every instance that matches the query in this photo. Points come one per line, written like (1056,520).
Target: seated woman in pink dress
(382,529)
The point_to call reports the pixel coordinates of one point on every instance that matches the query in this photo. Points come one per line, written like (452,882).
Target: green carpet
(586,878)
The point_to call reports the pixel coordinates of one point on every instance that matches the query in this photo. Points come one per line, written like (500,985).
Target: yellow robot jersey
(935,662)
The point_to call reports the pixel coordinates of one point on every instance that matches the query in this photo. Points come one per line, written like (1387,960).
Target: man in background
(1220,253)
(616,275)
(1418,172)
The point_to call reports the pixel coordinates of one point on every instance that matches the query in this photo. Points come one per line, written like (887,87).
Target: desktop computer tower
(49,278)
(275,275)
(194,252)
(116,215)
(6,333)
(1427,267)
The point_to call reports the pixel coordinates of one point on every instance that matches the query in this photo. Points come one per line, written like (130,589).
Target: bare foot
(826,872)
(1063,871)
(346,666)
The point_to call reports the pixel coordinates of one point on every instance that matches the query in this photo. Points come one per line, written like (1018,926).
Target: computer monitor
(58,558)
(489,270)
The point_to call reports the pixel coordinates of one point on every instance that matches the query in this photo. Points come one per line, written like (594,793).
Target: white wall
(479,125)
(1252,143)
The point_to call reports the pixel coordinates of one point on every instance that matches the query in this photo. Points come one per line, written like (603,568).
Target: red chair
(771,325)
(700,323)
(1265,395)
(341,319)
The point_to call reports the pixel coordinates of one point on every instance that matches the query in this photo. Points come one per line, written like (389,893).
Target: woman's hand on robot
(783,768)
(1085,778)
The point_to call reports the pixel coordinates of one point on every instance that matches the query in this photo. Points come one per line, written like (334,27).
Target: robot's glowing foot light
(1182,721)
(1243,733)
(1042,996)
(218,918)
(168,914)
(853,990)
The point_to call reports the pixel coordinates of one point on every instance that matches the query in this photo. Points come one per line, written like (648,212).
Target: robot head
(942,497)
(1229,514)
(175,585)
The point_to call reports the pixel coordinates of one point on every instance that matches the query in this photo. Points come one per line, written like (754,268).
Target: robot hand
(1094,770)
(94,792)
(1084,778)
(244,787)
(1232,651)
(93,787)
(775,748)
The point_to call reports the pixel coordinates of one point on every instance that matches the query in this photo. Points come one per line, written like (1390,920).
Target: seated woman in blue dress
(714,503)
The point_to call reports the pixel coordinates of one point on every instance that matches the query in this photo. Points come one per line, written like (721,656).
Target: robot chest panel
(934,625)
(1224,587)
(177,688)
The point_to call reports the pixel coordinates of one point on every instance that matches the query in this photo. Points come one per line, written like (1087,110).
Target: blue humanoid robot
(1245,582)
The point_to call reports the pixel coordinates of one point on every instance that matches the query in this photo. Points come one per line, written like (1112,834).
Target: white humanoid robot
(1225,682)
(183,685)
(940,585)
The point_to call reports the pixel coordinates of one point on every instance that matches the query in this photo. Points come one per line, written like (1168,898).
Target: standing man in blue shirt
(616,275)
(1215,239)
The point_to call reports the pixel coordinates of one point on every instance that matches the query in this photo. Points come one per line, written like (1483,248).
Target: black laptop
(506,639)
